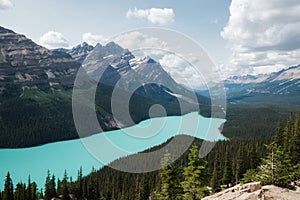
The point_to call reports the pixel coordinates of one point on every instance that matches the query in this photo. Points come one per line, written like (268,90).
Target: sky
(240,36)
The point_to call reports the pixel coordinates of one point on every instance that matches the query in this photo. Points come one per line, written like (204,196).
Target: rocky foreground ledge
(255,191)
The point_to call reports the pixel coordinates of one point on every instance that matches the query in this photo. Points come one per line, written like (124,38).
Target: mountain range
(278,87)
(36,88)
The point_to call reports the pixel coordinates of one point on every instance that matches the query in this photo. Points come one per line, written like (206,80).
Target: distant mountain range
(36,88)
(78,53)
(291,73)
(278,87)
(281,87)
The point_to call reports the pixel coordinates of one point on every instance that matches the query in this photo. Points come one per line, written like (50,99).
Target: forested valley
(270,159)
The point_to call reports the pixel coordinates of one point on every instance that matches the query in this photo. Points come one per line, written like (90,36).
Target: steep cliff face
(80,52)
(24,63)
(35,92)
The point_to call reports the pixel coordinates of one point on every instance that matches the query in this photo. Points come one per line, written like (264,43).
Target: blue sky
(241,36)
(201,20)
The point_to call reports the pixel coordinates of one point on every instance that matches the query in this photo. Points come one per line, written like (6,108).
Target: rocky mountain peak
(287,74)
(119,67)
(80,52)
(28,64)
(113,45)
(4,30)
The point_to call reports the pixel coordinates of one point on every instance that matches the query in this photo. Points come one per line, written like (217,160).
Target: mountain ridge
(281,87)
(292,72)
(36,86)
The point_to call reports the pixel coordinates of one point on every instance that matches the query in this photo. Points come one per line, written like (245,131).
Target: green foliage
(170,181)
(278,139)
(253,120)
(281,165)
(216,176)
(65,190)
(233,157)
(35,116)
(31,190)
(195,176)
(275,168)
(227,173)
(20,192)
(250,176)
(50,189)
(8,193)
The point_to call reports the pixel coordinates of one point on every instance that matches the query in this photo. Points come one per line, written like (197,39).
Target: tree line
(190,177)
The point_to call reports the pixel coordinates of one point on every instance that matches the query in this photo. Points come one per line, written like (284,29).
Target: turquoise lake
(72,154)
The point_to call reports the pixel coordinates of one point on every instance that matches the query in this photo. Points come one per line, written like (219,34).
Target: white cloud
(146,43)
(5,4)
(181,71)
(134,40)
(263,34)
(161,16)
(93,39)
(53,40)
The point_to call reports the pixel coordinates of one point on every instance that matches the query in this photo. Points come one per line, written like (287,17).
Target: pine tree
(8,193)
(50,189)
(80,184)
(20,192)
(279,136)
(170,180)
(295,152)
(48,195)
(65,190)
(29,190)
(165,178)
(254,158)
(227,173)
(139,188)
(250,176)
(53,186)
(238,167)
(215,180)
(276,168)
(34,190)
(59,187)
(195,176)
(41,194)
(92,188)
(287,135)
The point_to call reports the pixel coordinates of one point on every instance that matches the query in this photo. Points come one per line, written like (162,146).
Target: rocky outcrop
(112,65)
(255,191)
(80,52)
(35,92)
(24,63)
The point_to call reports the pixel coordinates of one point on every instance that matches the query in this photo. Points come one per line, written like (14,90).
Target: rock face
(255,191)
(35,92)
(80,52)
(121,63)
(277,84)
(285,74)
(24,63)
(118,67)
(36,86)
